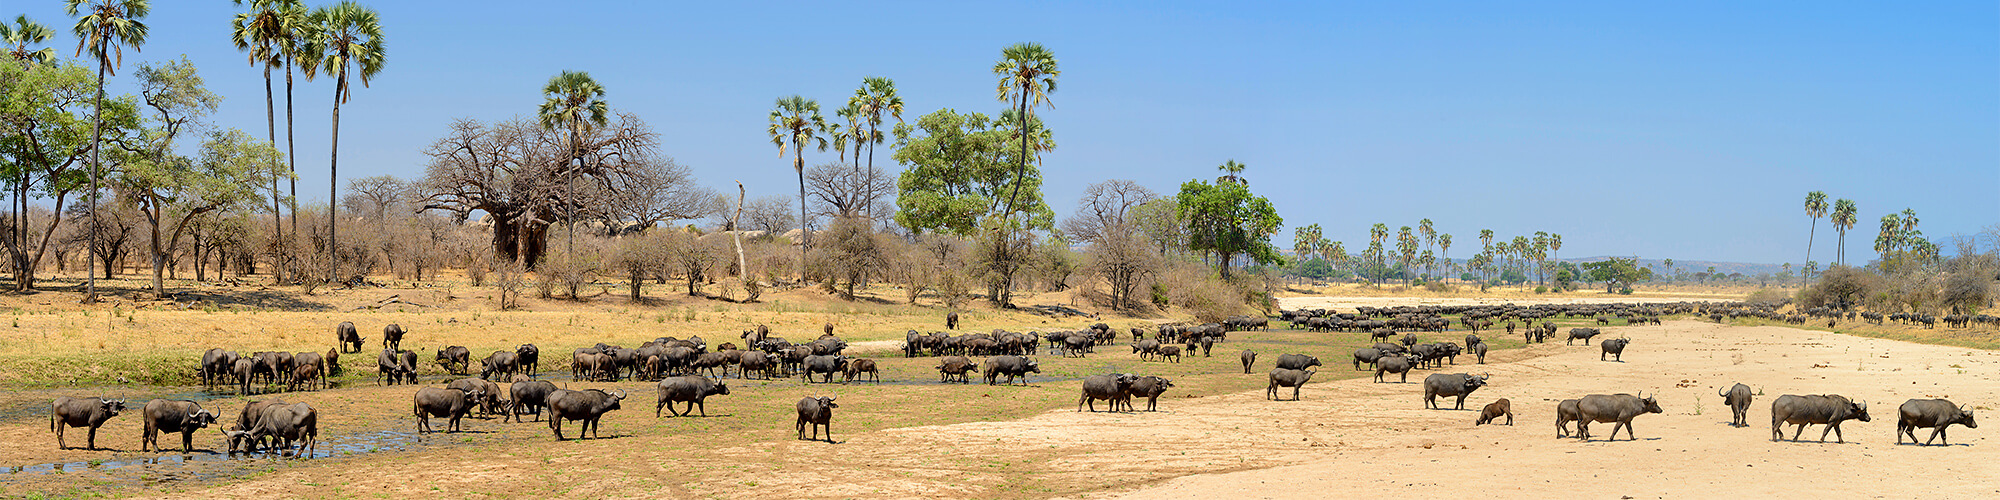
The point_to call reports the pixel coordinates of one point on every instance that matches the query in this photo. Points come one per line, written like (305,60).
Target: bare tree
(1105,205)
(770,214)
(375,197)
(518,172)
(839,190)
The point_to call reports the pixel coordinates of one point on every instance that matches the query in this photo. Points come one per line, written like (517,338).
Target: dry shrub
(1190,287)
(1767,297)
(510,280)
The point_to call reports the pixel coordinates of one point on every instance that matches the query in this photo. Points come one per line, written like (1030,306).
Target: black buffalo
(1011,366)
(66,412)
(1620,408)
(1829,410)
(1282,377)
(1451,384)
(1738,399)
(691,390)
(816,412)
(1931,413)
(165,416)
(348,339)
(586,406)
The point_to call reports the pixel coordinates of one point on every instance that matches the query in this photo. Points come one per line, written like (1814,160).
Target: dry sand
(1347,304)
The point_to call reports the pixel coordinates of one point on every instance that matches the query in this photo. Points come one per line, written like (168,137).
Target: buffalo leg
(1939,433)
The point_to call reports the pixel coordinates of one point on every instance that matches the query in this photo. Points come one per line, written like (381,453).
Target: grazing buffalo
(392,336)
(1620,408)
(1169,351)
(755,362)
(485,394)
(245,371)
(1479,349)
(1931,413)
(1248,357)
(1011,366)
(246,420)
(1114,388)
(1297,361)
(530,396)
(1566,412)
(529,358)
(1614,348)
(816,412)
(857,367)
(348,339)
(164,416)
(691,390)
(1830,410)
(66,412)
(282,423)
(388,367)
(502,364)
(1738,399)
(951,321)
(1151,388)
(1451,384)
(454,359)
(451,403)
(586,406)
(1494,410)
(1399,365)
(1581,333)
(332,363)
(1283,377)
(955,367)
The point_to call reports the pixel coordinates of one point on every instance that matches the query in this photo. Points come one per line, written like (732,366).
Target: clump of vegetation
(1767,297)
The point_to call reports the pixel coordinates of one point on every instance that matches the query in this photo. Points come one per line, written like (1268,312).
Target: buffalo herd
(687,372)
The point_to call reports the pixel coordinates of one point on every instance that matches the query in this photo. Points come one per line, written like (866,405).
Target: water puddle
(159,467)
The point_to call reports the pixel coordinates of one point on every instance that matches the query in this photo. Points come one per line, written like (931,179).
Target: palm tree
(349,35)
(266,33)
(1232,171)
(1910,224)
(1890,236)
(1027,74)
(1556,246)
(1406,251)
(1376,235)
(104,28)
(1815,208)
(1338,255)
(575,102)
(1843,220)
(25,32)
(877,96)
(1444,250)
(795,121)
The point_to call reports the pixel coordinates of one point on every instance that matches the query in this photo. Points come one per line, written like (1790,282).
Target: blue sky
(1687,130)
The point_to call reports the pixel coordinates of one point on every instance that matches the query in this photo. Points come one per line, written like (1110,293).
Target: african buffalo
(289,423)
(392,336)
(164,416)
(1620,408)
(1283,377)
(827,364)
(1566,412)
(1830,410)
(1011,366)
(586,406)
(215,365)
(1738,399)
(451,403)
(529,358)
(501,363)
(1494,410)
(692,390)
(486,394)
(856,367)
(1297,361)
(454,359)
(1366,355)
(1151,388)
(532,395)
(955,367)
(1581,333)
(1392,364)
(1113,388)
(66,412)
(1614,348)
(816,412)
(348,339)
(1931,413)
(1451,384)
(1248,357)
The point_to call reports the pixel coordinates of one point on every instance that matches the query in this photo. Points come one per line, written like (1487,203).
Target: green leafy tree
(104,28)
(48,127)
(797,124)
(1429,234)
(1231,171)
(1617,272)
(1377,234)
(1406,250)
(957,174)
(347,39)
(573,102)
(1227,220)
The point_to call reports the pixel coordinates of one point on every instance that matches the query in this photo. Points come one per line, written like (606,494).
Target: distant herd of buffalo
(686,372)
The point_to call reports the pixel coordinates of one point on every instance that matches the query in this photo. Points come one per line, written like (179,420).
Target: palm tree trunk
(292,168)
(799,165)
(1809,238)
(333,187)
(277,209)
(96,164)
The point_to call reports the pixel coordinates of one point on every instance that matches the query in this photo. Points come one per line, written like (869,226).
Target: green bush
(1625,291)
(1541,289)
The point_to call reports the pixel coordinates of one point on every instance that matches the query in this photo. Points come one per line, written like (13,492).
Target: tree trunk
(277,203)
(799,165)
(96,147)
(291,168)
(736,233)
(333,186)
